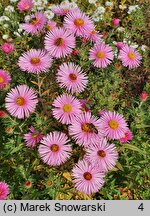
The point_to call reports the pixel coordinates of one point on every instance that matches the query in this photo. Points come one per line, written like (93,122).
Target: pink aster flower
(71,77)
(94,36)
(120,45)
(33,137)
(101,55)
(85,129)
(85,105)
(87,177)
(102,154)
(66,108)
(25,5)
(130,57)
(4,78)
(127,136)
(114,125)
(50,25)
(54,149)
(64,9)
(7,48)
(35,24)
(4,190)
(21,101)
(78,23)
(59,42)
(35,61)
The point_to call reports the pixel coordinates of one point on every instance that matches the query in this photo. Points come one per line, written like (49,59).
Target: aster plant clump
(65,131)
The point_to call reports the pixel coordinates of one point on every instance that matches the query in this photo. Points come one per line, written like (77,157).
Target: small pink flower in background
(101,55)
(64,9)
(144,96)
(59,42)
(85,105)
(127,136)
(66,108)
(102,154)
(25,5)
(130,57)
(54,149)
(7,48)
(28,184)
(85,129)
(35,24)
(115,21)
(4,190)
(9,40)
(21,101)
(33,137)
(78,23)
(50,25)
(87,177)
(120,45)
(94,36)
(75,52)
(4,78)
(114,125)
(71,77)
(35,61)
(3,114)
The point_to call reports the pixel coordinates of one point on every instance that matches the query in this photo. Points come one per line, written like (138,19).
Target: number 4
(141,207)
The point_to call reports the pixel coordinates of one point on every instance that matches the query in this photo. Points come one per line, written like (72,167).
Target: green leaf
(119,166)
(133,148)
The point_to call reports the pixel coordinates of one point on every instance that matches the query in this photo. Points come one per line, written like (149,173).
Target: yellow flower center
(26,7)
(87,176)
(35,134)
(113,124)
(72,76)
(93,32)
(35,60)
(59,42)
(79,22)
(100,54)
(1,79)
(20,101)
(35,21)
(131,55)
(86,127)
(67,108)
(101,153)
(54,148)
(49,27)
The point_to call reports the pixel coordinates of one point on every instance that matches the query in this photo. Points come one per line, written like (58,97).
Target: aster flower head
(114,125)
(71,77)
(85,105)
(35,61)
(94,36)
(66,108)
(54,149)
(130,57)
(33,137)
(50,25)
(78,23)
(102,154)
(127,137)
(85,129)
(4,190)
(87,177)
(64,8)
(101,55)
(25,5)
(21,101)
(59,42)
(35,24)
(4,78)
